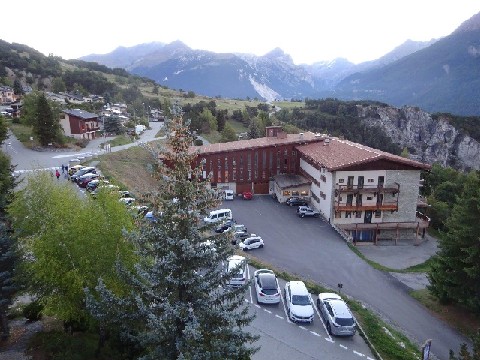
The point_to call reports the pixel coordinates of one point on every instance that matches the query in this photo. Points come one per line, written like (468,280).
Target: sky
(308,30)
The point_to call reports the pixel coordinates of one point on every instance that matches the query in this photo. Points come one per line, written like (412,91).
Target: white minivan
(229,195)
(218,215)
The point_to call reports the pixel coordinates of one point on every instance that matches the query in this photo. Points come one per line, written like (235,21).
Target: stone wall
(409,181)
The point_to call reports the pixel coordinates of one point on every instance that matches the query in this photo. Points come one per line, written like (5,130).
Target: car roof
(268,280)
(340,309)
(328,296)
(298,287)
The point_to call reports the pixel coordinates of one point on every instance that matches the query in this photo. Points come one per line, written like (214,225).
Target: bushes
(33,311)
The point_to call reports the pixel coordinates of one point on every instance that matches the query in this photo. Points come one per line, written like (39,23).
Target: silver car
(336,314)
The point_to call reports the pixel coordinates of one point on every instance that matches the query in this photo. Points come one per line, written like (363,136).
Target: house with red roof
(79,124)
(366,194)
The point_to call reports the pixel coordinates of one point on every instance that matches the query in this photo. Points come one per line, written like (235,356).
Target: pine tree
(7,283)
(455,272)
(46,126)
(179,307)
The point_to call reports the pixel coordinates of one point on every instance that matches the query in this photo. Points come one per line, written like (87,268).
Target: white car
(338,318)
(266,286)
(127,200)
(237,266)
(229,195)
(298,302)
(252,242)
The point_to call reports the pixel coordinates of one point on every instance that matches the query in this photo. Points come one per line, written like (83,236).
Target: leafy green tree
(58,85)
(228,134)
(68,245)
(405,154)
(208,121)
(455,272)
(29,108)
(3,129)
(8,285)
(178,307)
(464,354)
(46,124)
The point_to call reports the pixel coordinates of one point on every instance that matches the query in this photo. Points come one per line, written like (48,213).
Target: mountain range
(438,76)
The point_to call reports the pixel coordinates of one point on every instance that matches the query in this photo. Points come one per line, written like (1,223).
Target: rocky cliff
(427,139)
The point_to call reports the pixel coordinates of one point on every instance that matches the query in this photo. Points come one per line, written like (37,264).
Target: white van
(237,265)
(229,195)
(218,215)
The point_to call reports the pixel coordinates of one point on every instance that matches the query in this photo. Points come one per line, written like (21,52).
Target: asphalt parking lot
(282,339)
(311,249)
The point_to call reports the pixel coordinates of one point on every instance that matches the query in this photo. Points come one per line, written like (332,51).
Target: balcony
(383,206)
(388,188)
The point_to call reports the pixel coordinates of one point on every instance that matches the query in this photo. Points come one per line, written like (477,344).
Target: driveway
(310,248)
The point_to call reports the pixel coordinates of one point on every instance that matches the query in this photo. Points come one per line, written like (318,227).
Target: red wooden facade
(251,164)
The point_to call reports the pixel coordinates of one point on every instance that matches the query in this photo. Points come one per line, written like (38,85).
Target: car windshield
(300,300)
(344,321)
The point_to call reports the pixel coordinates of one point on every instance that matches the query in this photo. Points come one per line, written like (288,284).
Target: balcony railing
(388,188)
(384,206)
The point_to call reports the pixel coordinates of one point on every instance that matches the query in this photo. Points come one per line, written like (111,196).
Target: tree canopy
(455,272)
(69,244)
(179,306)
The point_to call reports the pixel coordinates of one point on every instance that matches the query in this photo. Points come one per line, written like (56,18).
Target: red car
(247,195)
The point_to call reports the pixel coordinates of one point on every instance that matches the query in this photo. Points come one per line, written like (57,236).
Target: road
(310,248)
(27,160)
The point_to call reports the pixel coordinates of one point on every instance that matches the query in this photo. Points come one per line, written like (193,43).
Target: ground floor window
(378,213)
(286,193)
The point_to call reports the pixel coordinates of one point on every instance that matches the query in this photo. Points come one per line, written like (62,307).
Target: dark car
(224,226)
(296,201)
(83,171)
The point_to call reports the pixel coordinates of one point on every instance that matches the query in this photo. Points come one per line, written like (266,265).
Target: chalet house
(364,193)
(7,96)
(79,124)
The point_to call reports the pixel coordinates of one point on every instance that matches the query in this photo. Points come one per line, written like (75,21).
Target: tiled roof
(337,154)
(307,137)
(80,114)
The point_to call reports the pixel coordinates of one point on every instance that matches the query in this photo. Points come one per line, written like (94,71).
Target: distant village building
(79,124)
(7,95)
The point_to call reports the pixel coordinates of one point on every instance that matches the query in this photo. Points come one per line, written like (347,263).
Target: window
(341,181)
(304,193)
(286,193)
(295,193)
(370,180)
(358,214)
(369,197)
(348,214)
(378,213)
